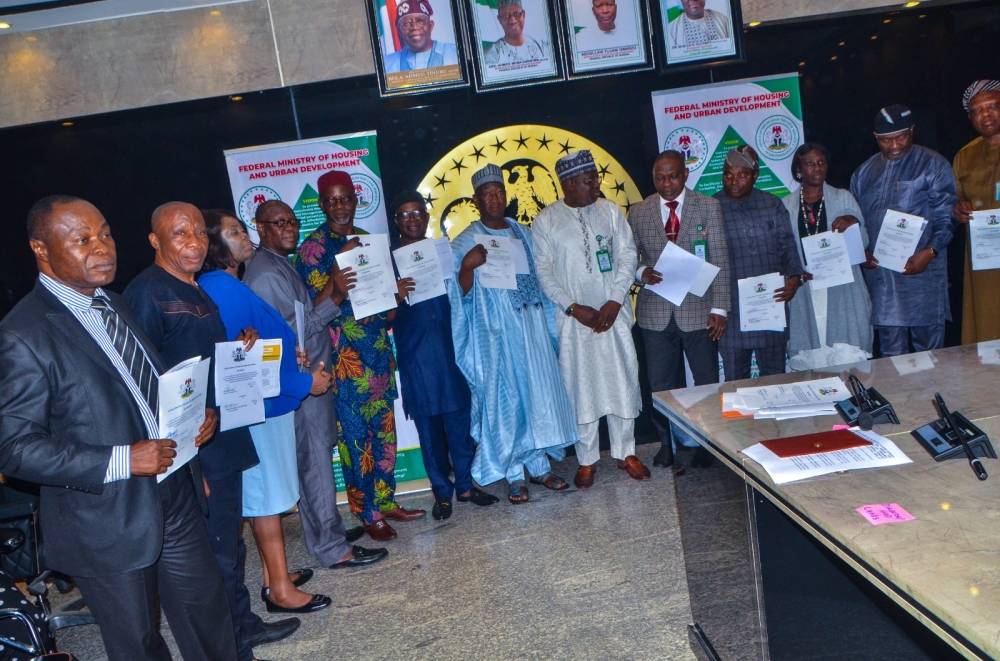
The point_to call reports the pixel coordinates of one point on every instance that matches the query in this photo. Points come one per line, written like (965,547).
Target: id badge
(604,260)
(996,191)
(700,248)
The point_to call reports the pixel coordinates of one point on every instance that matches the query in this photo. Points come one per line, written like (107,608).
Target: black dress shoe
(304,576)
(478,497)
(275,631)
(317,603)
(664,458)
(362,557)
(354,534)
(441,509)
(702,458)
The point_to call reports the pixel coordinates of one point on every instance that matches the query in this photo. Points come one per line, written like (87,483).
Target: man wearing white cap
(909,308)
(586,260)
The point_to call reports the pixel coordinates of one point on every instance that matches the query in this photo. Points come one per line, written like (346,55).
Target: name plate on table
(827,441)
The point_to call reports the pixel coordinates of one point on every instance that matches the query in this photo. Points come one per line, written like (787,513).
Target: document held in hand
(182,394)
(984,236)
(239,393)
(827,260)
(898,239)
(421,261)
(499,271)
(375,290)
(758,309)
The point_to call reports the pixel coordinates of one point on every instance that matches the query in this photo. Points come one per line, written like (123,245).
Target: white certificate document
(855,247)
(827,259)
(375,289)
(420,261)
(521,266)
(182,394)
(897,240)
(706,276)
(300,324)
(270,367)
(758,309)
(912,363)
(446,256)
(499,271)
(984,234)
(679,269)
(816,393)
(238,389)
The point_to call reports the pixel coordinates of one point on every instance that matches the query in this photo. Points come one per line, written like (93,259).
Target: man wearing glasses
(364,368)
(586,265)
(516,47)
(272,277)
(420,51)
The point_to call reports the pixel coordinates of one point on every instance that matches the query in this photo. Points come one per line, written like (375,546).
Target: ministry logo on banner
(691,144)
(777,137)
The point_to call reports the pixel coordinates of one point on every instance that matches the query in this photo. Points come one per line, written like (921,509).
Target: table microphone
(977,465)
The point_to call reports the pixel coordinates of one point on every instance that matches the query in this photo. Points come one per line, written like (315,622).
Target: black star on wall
(521,140)
(477,152)
(618,187)
(442,182)
(459,164)
(628,207)
(565,147)
(544,142)
(604,170)
(429,199)
(498,145)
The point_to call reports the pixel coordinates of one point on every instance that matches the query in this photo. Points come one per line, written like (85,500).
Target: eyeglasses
(345,200)
(281,223)
(410,215)
(411,23)
(514,14)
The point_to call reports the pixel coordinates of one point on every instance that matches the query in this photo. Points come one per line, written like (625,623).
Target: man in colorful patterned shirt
(364,369)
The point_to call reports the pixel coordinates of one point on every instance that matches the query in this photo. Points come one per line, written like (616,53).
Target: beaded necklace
(812,219)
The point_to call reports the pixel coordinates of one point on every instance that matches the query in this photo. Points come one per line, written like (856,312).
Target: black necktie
(128,348)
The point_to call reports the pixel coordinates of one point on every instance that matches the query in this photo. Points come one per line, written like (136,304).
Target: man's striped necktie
(128,348)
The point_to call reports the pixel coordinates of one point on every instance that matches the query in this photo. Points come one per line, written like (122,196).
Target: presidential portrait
(605,34)
(698,30)
(515,40)
(417,39)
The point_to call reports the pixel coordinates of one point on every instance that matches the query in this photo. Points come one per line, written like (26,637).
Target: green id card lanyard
(700,246)
(603,255)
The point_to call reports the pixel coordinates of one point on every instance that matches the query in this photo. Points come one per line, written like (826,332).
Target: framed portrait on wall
(700,33)
(514,42)
(606,36)
(416,45)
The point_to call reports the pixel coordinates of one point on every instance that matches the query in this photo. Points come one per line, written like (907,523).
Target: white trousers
(622,435)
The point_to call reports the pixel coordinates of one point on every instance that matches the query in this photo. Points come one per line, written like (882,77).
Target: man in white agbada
(516,46)
(586,261)
(698,26)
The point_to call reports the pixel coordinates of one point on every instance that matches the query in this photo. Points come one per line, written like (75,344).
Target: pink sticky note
(888,513)
(839,427)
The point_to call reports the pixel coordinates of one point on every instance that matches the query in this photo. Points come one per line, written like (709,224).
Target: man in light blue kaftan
(505,346)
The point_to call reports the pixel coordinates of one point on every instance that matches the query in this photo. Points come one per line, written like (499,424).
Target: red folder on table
(825,441)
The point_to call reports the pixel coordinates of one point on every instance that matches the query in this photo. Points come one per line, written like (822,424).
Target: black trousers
(225,522)
(664,350)
(736,362)
(185,578)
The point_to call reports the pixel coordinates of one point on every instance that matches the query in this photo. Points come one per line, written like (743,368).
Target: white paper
(706,276)
(446,256)
(270,367)
(521,266)
(238,389)
(913,362)
(300,324)
(731,401)
(800,394)
(827,260)
(897,240)
(182,395)
(421,262)
(855,246)
(679,269)
(882,452)
(375,290)
(499,271)
(984,234)
(758,309)
(989,352)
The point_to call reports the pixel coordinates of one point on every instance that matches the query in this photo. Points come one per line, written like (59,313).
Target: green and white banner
(706,121)
(288,171)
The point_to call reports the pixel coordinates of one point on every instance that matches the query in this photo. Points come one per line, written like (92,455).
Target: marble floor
(582,575)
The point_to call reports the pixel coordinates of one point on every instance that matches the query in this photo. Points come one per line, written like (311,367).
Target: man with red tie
(694,222)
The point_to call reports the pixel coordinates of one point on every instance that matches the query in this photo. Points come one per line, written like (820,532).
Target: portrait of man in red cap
(415,25)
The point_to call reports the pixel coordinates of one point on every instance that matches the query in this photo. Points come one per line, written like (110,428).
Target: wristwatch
(933,252)
(569,310)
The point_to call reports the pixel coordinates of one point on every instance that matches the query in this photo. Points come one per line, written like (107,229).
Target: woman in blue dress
(271,487)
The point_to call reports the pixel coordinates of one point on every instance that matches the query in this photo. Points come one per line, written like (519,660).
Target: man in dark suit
(694,222)
(78,402)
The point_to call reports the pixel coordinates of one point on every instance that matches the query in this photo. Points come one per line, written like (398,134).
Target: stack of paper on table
(882,452)
(793,400)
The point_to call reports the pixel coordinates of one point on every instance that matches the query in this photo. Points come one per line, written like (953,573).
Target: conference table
(793,571)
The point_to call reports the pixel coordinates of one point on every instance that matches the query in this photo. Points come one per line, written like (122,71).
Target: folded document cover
(827,441)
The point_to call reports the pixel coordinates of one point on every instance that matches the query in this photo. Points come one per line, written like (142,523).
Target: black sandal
(518,494)
(550,481)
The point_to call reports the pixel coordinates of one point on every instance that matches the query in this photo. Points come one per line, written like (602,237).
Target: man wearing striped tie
(78,405)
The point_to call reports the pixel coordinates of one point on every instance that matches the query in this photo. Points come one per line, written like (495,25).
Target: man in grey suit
(270,275)
(694,222)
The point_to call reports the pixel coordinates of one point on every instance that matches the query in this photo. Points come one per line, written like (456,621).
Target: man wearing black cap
(909,308)
(435,394)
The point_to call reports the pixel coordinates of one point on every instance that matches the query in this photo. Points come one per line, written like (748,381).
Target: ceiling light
(4,26)
(67,123)
(833,58)
(236,98)
(802,64)
(842,43)
(753,24)
(215,12)
(912,3)
(888,20)
(923,16)
(874,37)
